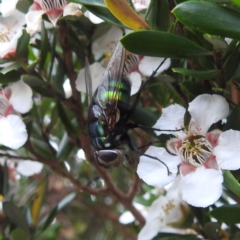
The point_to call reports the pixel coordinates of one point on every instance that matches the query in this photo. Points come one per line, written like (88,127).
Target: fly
(110,110)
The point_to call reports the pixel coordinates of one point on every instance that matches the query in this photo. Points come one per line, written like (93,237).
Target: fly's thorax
(102,138)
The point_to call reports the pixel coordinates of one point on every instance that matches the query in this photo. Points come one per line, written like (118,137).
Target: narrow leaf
(208,74)
(227,214)
(161,44)
(65,119)
(11,67)
(233,119)
(66,200)
(23,43)
(15,215)
(125,14)
(158,15)
(38,201)
(231,183)
(209,18)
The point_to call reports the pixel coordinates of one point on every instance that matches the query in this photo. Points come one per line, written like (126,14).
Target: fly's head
(109,158)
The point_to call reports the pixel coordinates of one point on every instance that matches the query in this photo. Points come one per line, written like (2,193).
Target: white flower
(10,31)
(141,4)
(93,18)
(106,44)
(148,64)
(200,154)
(15,98)
(28,168)
(54,10)
(7,7)
(24,167)
(97,72)
(165,213)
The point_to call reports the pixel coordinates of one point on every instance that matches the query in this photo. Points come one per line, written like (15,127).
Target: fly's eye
(109,158)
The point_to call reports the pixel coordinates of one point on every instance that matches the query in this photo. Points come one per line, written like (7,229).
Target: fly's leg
(129,159)
(133,147)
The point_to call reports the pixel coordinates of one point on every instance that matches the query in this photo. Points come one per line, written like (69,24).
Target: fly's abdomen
(118,92)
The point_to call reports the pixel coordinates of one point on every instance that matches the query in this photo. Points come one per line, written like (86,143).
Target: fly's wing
(120,65)
(88,81)
(107,92)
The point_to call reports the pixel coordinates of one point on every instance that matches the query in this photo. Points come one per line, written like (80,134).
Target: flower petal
(149,64)
(7,7)
(97,71)
(136,82)
(171,119)
(227,151)
(21,97)
(54,15)
(155,173)
(149,230)
(28,168)
(207,109)
(13,132)
(93,18)
(33,20)
(72,9)
(202,187)
(106,43)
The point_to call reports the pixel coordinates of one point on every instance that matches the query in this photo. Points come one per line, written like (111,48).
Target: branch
(53,164)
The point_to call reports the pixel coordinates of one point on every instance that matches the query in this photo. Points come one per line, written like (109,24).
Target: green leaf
(65,148)
(5,179)
(9,77)
(236,2)
(170,236)
(99,8)
(212,230)
(11,67)
(209,18)
(161,44)
(195,88)
(38,200)
(227,213)
(66,200)
(65,120)
(19,234)
(233,119)
(37,84)
(23,43)
(208,74)
(15,215)
(231,183)
(42,148)
(44,46)
(158,15)
(218,43)
(50,218)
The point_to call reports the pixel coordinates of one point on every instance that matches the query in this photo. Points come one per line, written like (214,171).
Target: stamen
(4,38)
(52,4)
(195,149)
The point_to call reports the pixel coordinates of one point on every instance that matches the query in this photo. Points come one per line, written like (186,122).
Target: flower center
(52,4)
(195,150)
(3,38)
